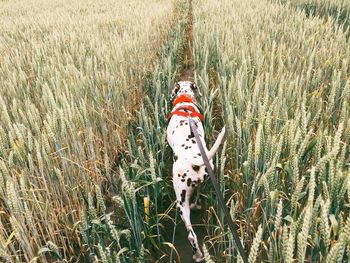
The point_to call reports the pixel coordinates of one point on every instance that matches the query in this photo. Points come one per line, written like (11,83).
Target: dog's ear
(174,91)
(195,89)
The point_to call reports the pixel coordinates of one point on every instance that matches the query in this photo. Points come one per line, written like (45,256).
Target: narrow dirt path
(187,69)
(181,243)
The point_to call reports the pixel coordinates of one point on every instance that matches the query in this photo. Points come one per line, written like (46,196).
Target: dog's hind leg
(196,205)
(183,195)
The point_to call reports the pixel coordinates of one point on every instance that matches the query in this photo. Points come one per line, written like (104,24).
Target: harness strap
(185,98)
(224,208)
(186,111)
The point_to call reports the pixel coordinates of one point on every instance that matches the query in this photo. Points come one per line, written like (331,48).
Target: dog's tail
(213,149)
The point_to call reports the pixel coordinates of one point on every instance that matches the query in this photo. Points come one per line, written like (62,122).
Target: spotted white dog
(188,168)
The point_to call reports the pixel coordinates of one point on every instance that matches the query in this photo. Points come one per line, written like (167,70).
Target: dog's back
(188,168)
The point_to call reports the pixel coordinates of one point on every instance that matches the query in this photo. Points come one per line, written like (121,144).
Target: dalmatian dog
(189,170)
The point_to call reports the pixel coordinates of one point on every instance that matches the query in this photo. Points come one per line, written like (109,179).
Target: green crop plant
(283,88)
(71,76)
(142,171)
(339,10)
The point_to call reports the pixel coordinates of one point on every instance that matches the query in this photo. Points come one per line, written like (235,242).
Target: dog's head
(184,87)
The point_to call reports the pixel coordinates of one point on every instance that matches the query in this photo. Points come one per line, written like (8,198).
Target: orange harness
(186,111)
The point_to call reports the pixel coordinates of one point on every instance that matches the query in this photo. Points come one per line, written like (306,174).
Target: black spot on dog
(205,176)
(195,168)
(198,181)
(179,175)
(194,249)
(195,157)
(183,145)
(183,180)
(189,181)
(193,185)
(206,169)
(175,157)
(180,212)
(186,147)
(189,147)
(183,195)
(200,155)
(173,132)
(187,140)
(193,141)
(190,136)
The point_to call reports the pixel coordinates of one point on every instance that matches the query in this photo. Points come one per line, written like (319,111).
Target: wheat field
(85,170)
(71,75)
(283,80)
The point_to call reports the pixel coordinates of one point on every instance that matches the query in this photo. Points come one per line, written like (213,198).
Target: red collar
(186,111)
(185,98)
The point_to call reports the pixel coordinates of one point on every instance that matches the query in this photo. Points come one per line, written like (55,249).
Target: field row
(337,10)
(71,77)
(283,80)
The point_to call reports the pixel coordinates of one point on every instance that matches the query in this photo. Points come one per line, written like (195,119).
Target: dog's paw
(198,257)
(195,207)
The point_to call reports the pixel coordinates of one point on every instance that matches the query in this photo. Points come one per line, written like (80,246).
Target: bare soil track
(187,68)
(181,243)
